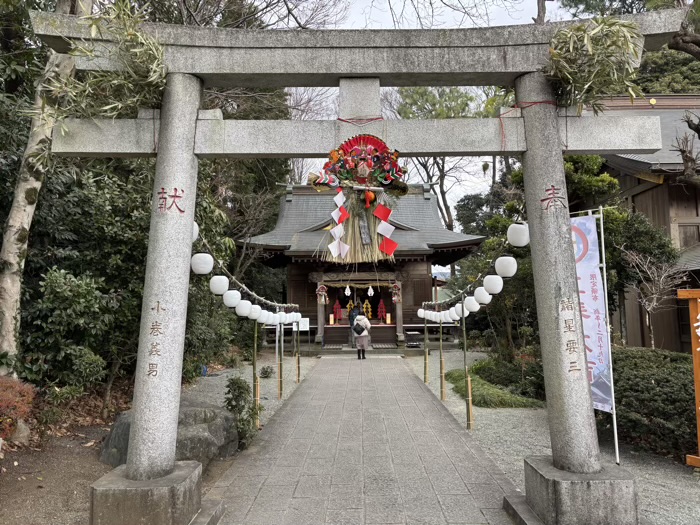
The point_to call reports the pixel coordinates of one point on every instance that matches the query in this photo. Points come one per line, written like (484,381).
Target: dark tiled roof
(419,230)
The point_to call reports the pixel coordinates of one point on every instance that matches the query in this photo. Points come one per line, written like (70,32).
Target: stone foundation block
(174,499)
(558,497)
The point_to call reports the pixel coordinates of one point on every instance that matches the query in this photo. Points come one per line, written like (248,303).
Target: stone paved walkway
(363,442)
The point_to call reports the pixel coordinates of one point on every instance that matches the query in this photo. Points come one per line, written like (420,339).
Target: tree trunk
(16,231)
(107,396)
(623,317)
(541,12)
(651,330)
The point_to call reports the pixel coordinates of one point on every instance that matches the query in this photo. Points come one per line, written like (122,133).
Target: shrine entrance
(572,482)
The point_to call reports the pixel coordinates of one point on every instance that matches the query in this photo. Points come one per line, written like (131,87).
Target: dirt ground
(51,486)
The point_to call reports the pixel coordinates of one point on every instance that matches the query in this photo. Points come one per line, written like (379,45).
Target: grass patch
(486,395)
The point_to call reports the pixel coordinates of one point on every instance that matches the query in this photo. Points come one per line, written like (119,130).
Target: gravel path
(211,389)
(669,493)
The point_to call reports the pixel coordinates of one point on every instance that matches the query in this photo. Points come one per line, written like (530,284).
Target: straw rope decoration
(363,170)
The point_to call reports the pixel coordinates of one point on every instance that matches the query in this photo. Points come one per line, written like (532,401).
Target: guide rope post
(467,377)
(426,378)
(443,391)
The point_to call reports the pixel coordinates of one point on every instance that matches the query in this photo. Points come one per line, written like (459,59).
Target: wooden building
(398,287)
(649,185)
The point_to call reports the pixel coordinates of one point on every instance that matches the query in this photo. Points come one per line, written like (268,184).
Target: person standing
(351,318)
(361,327)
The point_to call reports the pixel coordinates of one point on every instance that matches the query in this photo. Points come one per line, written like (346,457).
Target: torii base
(557,497)
(175,499)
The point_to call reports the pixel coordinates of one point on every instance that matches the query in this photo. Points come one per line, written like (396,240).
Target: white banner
(593,308)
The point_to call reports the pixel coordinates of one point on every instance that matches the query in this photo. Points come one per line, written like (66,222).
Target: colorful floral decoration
(350,306)
(381,310)
(337,310)
(396,293)
(364,172)
(322,294)
(367,309)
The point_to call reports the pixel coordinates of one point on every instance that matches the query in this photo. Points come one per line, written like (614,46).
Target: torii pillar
(152,487)
(571,487)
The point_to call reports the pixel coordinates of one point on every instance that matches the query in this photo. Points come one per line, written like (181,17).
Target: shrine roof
(305,215)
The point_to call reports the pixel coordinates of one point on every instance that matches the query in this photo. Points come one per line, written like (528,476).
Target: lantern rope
(243,287)
(469,288)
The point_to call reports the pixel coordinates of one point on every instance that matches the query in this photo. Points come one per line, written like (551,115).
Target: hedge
(655,399)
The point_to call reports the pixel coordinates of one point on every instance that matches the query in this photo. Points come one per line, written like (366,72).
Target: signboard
(593,310)
(303,325)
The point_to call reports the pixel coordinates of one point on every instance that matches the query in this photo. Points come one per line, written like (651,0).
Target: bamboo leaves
(593,60)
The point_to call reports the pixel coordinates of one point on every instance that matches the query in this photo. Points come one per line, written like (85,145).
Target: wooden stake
(693,297)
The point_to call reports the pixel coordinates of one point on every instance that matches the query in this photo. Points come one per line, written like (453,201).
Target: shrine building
(389,290)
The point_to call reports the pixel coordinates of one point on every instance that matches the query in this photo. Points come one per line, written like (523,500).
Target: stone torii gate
(571,487)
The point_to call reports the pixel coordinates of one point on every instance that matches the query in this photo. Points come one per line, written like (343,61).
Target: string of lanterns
(203,263)
(518,235)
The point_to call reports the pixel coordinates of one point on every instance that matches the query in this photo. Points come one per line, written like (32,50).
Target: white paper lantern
(244,308)
(471,304)
(195,231)
(297,317)
(493,284)
(218,284)
(232,298)
(506,266)
(275,319)
(202,263)
(255,312)
(262,318)
(421,313)
(518,234)
(347,291)
(284,317)
(459,309)
(482,296)
(370,292)
(453,314)
(445,316)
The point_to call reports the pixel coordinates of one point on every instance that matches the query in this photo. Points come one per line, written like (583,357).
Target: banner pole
(607,322)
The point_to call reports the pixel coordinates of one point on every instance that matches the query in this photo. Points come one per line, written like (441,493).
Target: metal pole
(277,356)
(256,385)
(467,379)
(607,320)
(281,364)
(426,379)
(443,392)
(296,344)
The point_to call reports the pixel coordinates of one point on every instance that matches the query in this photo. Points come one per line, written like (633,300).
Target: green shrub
(239,401)
(655,400)
(266,371)
(70,324)
(521,378)
(486,395)
(16,400)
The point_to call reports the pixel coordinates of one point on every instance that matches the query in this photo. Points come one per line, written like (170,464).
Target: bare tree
(656,284)
(426,14)
(310,103)
(249,216)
